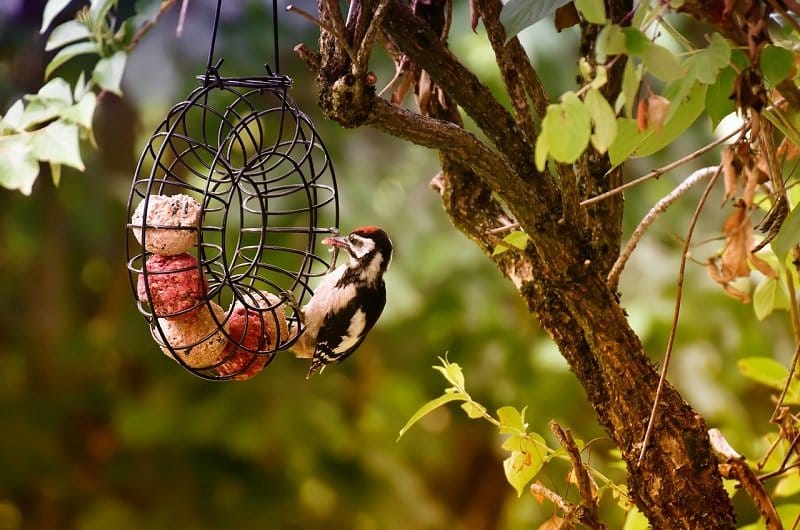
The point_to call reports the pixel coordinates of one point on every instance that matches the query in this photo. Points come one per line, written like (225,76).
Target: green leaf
(512,421)
(452,372)
(764,370)
(108,72)
(636,42)
(82,112)
(517,239)
(69,52)
(58,143)
(98,9)
(66,33)
(631,142)
(631,78)
(55,173)
(13,117)
(776,64)
(603,119)
(788,485)
(473,410)
(635,520)
(427,408)
(610,41)
(56,89)
(662,63)
(522,466)
(707,63)
(51,10)
(768,296)
(593,11)
(718,101)
(517,15)
(540,159)
(567,128)
(18,165)
(789,234)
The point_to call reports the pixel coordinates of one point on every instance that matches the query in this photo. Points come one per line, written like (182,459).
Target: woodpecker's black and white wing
(344,329)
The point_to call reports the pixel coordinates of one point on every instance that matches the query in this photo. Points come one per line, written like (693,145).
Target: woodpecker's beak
(337,241)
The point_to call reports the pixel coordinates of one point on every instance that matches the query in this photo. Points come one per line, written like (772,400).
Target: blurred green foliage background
(99,430)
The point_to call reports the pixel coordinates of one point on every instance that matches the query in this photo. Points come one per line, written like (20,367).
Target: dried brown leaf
(657,110)
(788,149)
(424,90)
(738,231)
(566,16)
(731,174)
(641,114)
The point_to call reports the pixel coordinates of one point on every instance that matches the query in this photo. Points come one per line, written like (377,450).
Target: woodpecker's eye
(355,241)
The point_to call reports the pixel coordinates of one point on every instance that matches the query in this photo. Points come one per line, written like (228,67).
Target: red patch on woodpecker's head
(366,230)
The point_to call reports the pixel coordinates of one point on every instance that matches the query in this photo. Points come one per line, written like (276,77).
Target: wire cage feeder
(229,198)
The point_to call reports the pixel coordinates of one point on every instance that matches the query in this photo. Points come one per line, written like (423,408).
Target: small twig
(148,25)
(338,35)
(662,170)
(504,228)
(734,466)
(778,472)
(789,379)
(654,213)
(674,328)
(540,490)
(793,307)
(182,18)
(361,61)
(581,476)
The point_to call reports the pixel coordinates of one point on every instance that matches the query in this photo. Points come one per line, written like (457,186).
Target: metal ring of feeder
(266,190)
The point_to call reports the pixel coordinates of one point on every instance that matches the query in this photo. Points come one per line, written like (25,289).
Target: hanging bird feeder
(230,196)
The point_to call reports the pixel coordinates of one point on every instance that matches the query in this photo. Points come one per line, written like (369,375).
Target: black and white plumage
(348,300)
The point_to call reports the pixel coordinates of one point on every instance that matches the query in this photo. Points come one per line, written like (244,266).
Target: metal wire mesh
(266,191)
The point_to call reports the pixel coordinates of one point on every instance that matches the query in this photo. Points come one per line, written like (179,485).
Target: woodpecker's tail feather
(317,366)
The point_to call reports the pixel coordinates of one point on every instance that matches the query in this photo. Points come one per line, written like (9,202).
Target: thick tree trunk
(562,273)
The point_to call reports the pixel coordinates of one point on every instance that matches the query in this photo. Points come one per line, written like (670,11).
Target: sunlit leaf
(540,159)
(631,142)
(593,11)
(789,234)
(522,466)
(55,173)
(18,165)
(635,520)
(473,410)
(13,117)
(429,407)
(768,296)
(604,120)
(51,10)
(764,370)
(66,33)
(788,485)
(452,372)
(707,62)
(517,15)
(776,64)
(81,112)
(610,41)
(58,143)
(636,42)
(108,72)
(517,239)
(99,8)
(631,78)
(512,421)
(69,52)
(567,127)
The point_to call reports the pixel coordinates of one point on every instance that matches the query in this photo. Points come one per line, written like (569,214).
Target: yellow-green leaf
(567,128)
(604,120)
(429,407)
(18,165)
(776,64)
(662,63)
(788,485)
(473,410)
(512,421)
(593,11)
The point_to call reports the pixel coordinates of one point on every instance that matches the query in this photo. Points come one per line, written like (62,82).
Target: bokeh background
(100,431)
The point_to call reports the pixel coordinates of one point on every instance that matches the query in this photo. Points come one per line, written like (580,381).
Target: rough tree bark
(562,273)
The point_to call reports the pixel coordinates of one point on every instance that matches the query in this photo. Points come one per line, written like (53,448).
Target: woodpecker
(348,300)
